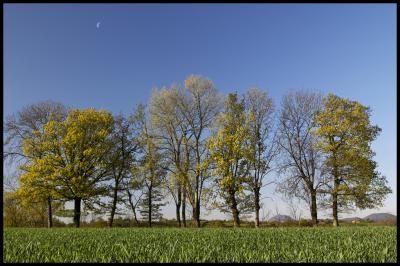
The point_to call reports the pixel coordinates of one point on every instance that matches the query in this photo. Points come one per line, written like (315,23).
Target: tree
(294,210)
(120,160)
(150,205)
(184,117)
(74,152)
(262,142)
(149,169)
(200,103)
(12,213)
(23,129)
(301,161)
(173,134)
(134,190)
(229,149)
(345,133)
(18,212)
(37,187)
(174,187)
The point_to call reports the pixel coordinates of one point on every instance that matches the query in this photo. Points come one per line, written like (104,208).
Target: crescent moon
(98,25)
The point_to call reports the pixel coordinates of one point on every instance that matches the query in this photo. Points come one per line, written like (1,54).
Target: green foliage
(346,244)
(345,133)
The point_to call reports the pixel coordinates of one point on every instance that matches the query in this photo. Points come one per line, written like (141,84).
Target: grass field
(346,244)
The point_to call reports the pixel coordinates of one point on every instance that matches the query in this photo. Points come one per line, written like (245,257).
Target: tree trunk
(134,215)
(114,205)
(235,211)
(150,205)
(334,210)
(335,203)
(178,215)
(77,212)
(178,207)
(133,207)
(196,214)
(184,207)
(313,207)
(50,216)
(257,206)
(334,194)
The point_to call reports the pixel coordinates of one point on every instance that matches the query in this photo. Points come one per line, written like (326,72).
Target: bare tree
(277,212)
(294,210)
(263,144)
(301,161)
(265,214)
(135,194)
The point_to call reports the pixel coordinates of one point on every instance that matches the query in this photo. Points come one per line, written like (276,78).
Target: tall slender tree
(300,162)
(171,131)
(119,160)
(199,103)
(262,140)
(230,150)
(149,169)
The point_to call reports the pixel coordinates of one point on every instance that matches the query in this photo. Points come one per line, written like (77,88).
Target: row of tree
(203,148)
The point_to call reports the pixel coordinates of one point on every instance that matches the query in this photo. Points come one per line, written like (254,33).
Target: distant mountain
(280,218)
(380,217)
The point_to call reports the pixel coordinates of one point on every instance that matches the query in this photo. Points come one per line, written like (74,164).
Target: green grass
(346,244)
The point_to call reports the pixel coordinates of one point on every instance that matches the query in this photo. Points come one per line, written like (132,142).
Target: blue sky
(55,51)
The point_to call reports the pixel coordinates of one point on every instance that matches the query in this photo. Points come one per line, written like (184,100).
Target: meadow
(285,244)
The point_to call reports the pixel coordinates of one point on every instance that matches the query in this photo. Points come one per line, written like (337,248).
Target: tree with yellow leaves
(231,153)
(345,133)
(72,162)
(23,132)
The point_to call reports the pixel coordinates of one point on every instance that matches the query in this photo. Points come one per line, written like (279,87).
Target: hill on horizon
(380,217)
(280,218)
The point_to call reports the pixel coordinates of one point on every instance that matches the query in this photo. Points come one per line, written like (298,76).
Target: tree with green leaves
(345,133)
(231,153)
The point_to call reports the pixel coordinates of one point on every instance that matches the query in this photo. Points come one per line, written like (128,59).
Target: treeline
(198,146)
